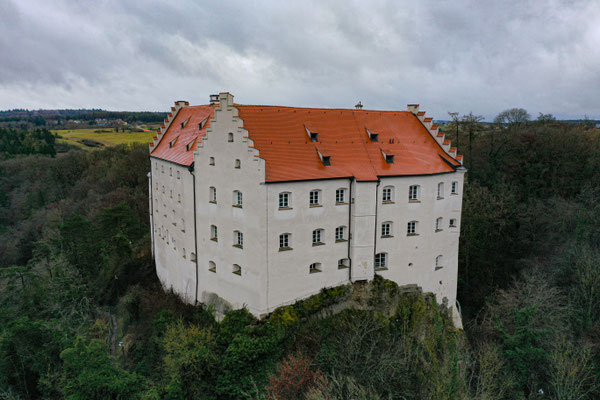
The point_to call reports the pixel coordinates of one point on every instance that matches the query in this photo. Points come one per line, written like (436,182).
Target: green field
(109,137)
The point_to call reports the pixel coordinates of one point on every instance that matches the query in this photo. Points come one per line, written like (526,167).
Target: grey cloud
(461,55)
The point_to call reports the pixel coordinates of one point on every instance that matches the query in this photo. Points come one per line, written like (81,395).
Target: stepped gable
(282,135)
(177,143)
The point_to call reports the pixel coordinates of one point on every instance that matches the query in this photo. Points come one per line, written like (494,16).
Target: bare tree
(471,124)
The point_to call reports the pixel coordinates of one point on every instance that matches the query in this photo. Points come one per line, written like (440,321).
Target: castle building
(260,206)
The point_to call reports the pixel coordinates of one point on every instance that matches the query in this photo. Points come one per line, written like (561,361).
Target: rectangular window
(412,228)
(239,239)
(454,188)
(284,241)
(340,195)
(413,192)
(213,232)
(387,194)
(316,236)
(238,199)
(284,200)
(440,190)
(380,260)
(339,233)
(386,229)
(438,224)
(213,195)
(314,198)
(452,223)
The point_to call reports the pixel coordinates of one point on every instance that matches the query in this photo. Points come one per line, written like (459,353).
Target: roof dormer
(312,135)
(373,136)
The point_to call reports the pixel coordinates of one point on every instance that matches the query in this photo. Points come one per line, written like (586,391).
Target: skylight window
(172,142)
(184,123)
(326,160)
(314,136)
(203,123)
(389,158)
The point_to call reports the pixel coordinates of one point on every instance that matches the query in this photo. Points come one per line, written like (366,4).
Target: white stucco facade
(259,273)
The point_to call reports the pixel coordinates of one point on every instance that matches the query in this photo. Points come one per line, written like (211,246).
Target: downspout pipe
(351,200)
(375,236)
(151,211)
(191,170)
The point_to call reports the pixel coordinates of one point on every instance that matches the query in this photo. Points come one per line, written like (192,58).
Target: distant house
(260,206)
(101,121)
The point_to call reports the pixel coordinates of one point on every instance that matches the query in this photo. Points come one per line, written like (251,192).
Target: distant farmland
(95,138)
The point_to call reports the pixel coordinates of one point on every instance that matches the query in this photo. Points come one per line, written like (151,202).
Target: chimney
(214,99)
(359,106)
(413,108)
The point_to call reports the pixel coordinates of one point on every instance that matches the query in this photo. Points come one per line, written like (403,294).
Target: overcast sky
(480,56)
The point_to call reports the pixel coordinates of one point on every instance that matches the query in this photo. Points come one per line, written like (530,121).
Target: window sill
(381,268)
(318,244)
(414,201)
(440,198)
(214,239)
(314,271)
(212,270)
(453,226)
(438,230)
(438,268)
(238,246)
(285,208)
(212,202)
(237,167)
(387,236)
(341,203)
(183,230)
(341,240)
(212,165)
(315,205)
(412,234)
(388,202)
(343,266)
(237,273)
(236,205)
(285,248)
(453,194)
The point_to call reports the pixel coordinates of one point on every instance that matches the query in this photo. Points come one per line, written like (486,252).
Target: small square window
(389,158)
(452,222)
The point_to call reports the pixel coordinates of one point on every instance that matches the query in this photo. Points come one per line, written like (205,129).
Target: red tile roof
(279,133)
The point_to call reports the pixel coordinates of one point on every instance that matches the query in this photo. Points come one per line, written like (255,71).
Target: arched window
(238,239)
(212,196)
(386,229)
(237,269)
(285,241)
(387,194)
(340,234)
(439,262)
(413,193)
(440,190)
(238,163)
(438,224)
(343,263)
(213,233)
(381,261)
(314,267)
(317,237)
(211,161)
(230,137)
(212,267)
(237,198)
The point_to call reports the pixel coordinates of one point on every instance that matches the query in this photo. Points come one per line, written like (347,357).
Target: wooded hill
(77,278)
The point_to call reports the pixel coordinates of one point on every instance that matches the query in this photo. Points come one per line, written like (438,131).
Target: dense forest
(82,315)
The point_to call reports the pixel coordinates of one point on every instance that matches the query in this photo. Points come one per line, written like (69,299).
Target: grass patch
(78,137)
